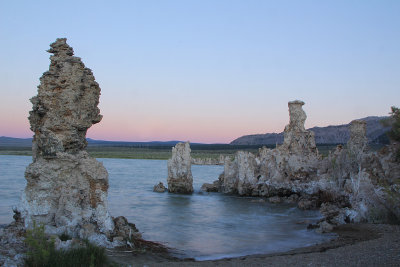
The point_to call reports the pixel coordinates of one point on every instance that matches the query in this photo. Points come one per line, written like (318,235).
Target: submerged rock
(180,179)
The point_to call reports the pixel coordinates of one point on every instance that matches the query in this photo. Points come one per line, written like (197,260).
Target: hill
(27,142)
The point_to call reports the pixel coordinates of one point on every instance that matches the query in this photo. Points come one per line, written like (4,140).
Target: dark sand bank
(356,245)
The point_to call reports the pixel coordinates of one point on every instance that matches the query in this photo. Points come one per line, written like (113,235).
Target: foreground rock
(180,179)
(66,189)
(350,185)
(12,245)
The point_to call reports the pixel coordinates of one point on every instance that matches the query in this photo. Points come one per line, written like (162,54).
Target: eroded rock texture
(358,136)
(180,179)
(272,170)
(66,189)
(350,185)
(296,139)
(159,188)
(66,104)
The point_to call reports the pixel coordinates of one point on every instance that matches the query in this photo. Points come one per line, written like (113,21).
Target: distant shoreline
(158,152)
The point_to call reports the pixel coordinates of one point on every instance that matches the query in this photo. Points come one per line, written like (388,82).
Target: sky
(207,71)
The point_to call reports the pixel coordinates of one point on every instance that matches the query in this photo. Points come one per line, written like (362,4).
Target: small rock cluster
(159,188)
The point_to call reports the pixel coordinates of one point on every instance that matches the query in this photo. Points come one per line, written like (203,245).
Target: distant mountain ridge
(27,142)
(15,142)
(336,134)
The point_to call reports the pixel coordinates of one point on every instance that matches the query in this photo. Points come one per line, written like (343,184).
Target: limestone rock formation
(350,185)
(65,106)
(271,171)
(296,139)
(358,136)
(180,179)
(66,189)
(368,181)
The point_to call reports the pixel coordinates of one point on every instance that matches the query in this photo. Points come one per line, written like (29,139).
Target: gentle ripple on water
(202,225)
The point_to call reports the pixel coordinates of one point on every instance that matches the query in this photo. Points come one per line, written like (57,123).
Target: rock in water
(66,189)
(283,170)
(159,188)
(349,185)
(180,179)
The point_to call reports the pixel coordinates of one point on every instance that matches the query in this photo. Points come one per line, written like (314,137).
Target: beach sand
(356,245)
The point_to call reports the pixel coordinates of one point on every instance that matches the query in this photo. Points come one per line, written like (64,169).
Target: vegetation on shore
(163,152)
(42,252)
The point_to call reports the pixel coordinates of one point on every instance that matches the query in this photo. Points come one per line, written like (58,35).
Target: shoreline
(355,244)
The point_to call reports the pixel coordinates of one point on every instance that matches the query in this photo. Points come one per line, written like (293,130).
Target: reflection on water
(202,225)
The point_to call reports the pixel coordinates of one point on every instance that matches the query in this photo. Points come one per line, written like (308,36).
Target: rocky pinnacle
(66,189)
(180,178)
(358,132)
(66,104)
(296,138)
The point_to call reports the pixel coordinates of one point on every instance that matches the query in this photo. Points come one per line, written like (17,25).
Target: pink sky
(218,128)
(207,71)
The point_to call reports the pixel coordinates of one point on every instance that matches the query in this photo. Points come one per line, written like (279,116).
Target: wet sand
(356,245)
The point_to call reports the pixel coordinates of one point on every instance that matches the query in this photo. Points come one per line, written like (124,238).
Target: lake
(202,225)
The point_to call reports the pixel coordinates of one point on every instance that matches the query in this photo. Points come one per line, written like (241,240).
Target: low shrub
(42,252)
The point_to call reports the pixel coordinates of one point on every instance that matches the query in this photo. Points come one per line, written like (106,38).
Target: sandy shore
(356,245)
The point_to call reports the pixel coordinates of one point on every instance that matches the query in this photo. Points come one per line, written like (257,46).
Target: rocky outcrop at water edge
(180,179)
(294,162)
(66,188)
(350,185)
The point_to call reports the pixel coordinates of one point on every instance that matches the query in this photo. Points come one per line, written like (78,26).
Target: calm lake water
(202,225)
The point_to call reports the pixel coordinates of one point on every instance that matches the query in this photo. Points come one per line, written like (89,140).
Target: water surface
(202,225)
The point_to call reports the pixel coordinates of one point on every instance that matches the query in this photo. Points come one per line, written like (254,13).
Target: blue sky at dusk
(207,71)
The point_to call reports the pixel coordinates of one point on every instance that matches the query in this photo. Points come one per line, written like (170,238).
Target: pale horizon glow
(207,71)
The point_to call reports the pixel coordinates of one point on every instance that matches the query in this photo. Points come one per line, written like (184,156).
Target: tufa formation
(65,106)
(180,179)
(351,184)
(67,189)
